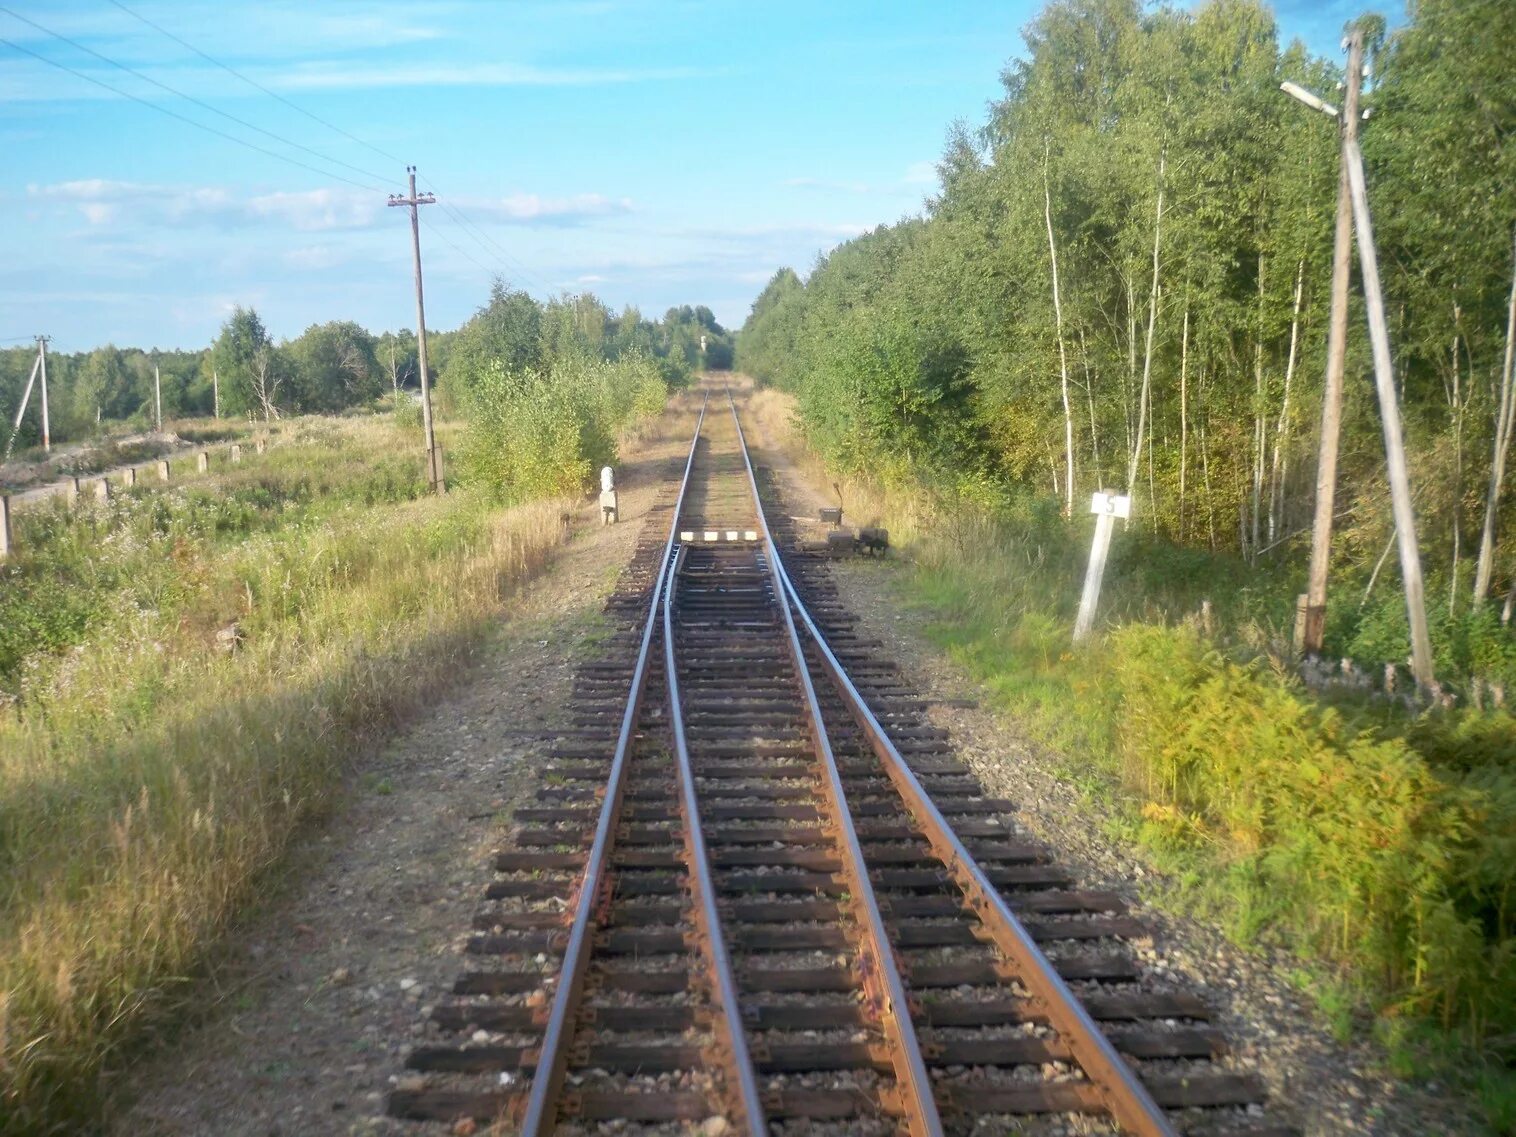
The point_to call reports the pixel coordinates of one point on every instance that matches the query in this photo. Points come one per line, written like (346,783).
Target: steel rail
(741,1085)
(541,1113)
(879,970)
(1116,1083)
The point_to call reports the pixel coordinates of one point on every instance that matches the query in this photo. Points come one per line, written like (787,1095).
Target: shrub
(1376,861)
(533,432)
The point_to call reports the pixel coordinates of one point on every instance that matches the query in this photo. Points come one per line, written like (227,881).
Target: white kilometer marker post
(1106,507)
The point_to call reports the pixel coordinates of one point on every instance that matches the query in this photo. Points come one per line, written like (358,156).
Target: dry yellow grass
(148,781)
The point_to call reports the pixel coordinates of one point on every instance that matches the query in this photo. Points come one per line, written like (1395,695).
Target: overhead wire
(487,243)
(475,232)
(443,237)
(191,98)
(229,69)
(470,229)
(159,107)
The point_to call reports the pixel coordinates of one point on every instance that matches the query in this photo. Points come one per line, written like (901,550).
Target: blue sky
(652,153)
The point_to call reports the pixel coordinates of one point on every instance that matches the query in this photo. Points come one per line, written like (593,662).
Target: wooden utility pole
(433,457)
(1352,181)
(1337,342)
(47,430)
(158,398)
(26,397)
(216,392)
(38,365)
(1389,415)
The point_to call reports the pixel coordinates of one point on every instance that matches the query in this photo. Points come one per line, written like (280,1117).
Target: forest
(336,365)
(1124,281)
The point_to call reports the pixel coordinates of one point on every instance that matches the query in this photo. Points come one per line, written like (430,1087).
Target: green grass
(149,781)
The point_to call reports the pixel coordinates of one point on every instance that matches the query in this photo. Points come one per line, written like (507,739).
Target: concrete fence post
(260,445)
(72,490)
(129,477)
(5,526)
(163,469)
(102,490)
(203,461)
(236,453)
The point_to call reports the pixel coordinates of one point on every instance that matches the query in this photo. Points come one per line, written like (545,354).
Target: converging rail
(789,906)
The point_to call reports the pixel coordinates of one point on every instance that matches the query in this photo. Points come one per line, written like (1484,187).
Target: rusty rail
(882,984)
(552,1057)
(740,1088)
(1117,1085)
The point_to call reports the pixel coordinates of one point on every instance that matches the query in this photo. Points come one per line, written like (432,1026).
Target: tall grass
(148,778)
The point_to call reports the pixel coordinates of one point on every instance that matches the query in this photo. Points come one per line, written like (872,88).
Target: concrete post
(236,453)
(163,469)
(1107,507)
(72,490)
(5,526)
(202,461)
(129,477)
(260,445)
(102,490)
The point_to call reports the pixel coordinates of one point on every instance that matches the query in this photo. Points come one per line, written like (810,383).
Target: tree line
(339,364)
(1124,280)
(546,389)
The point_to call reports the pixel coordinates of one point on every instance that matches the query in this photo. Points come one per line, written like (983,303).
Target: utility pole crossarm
(1295,91)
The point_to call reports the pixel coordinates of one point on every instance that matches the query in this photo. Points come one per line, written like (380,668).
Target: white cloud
(320,210)
(920,174)
(529,208)
(334,77)
(335,209)
(827,184)
(313,257)
(590,278)
(797,230)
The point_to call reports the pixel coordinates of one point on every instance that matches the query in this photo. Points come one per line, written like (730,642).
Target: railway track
(758,893)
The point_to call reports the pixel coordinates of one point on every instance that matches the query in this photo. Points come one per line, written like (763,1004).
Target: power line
(182,118)
(254,83)
(481,238)
(488,244)
(191,98)
(485,243)
(441,236)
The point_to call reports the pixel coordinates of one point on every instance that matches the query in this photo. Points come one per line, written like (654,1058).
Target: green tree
(241,355)
(507,330)
(334,366)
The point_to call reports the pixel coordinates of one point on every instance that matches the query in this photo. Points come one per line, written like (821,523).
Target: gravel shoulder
(312,1009)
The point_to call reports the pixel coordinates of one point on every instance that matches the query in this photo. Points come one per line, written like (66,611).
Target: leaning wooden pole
(1337,346)
(1389,416)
